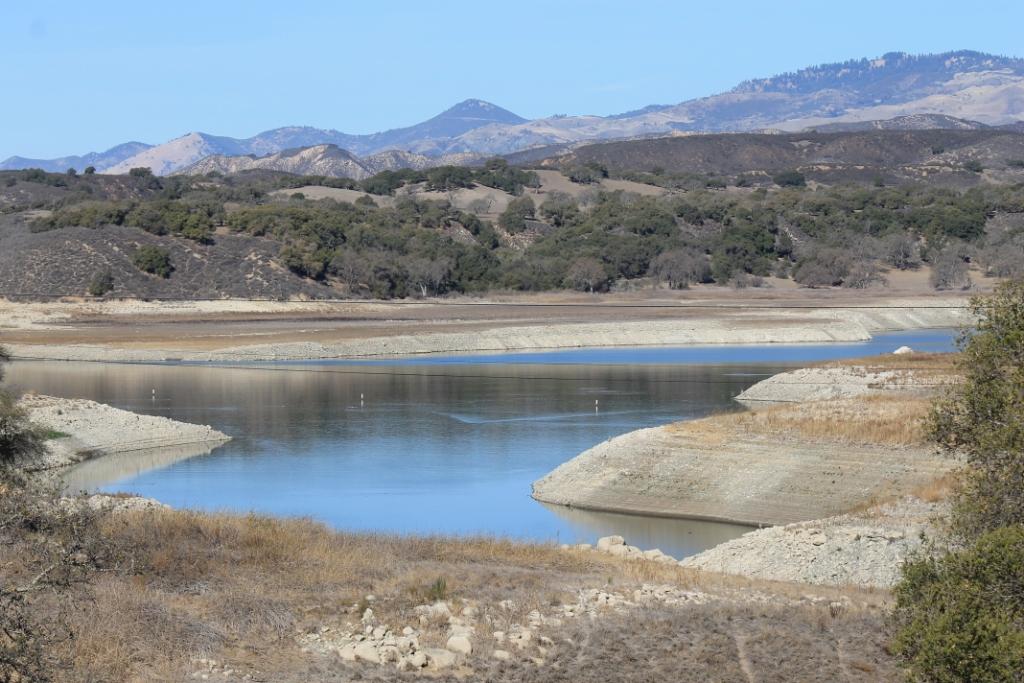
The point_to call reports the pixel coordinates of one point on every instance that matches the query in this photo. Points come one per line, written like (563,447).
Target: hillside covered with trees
(424,232)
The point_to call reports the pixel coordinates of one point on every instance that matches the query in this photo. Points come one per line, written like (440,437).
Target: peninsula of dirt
(83,430)
(780,464)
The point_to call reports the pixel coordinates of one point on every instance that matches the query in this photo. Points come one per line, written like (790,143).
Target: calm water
(431,444)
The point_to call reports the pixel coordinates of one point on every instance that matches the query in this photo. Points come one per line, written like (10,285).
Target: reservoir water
(428,445)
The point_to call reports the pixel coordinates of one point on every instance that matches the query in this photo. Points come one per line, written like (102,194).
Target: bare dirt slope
(64,262)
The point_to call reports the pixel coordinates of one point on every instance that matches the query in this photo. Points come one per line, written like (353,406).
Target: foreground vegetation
(961,616)
(829,236)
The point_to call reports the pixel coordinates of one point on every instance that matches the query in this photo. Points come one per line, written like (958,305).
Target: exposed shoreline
(348,339)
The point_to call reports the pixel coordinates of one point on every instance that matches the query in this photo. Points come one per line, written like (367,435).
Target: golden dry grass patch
(888,419)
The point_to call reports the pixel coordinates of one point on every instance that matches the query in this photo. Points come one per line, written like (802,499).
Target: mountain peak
(479,110)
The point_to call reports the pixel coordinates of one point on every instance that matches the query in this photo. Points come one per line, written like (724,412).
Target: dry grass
(166,587)
(891,419)
(937,490)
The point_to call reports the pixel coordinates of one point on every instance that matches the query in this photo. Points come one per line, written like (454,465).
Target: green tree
(982,417)
(961,617)
(513,218)
(90,170)
(153,260)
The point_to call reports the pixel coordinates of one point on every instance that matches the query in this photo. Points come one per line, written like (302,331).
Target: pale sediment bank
(824,383)
(92,430)
(715,468)
(740,326)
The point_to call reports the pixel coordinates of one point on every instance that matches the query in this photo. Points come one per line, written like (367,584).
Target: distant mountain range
(906,91)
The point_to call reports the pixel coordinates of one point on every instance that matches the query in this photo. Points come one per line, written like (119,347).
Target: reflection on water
(93,474)
(412,447)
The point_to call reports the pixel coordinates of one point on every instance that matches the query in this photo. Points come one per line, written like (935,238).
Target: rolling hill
(324,160)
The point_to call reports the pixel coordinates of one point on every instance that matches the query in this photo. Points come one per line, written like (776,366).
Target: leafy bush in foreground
(961,617)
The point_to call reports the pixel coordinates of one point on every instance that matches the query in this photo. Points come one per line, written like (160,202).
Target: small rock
(417,660)
(460,644)
(367,652)
(608,542)
(367,616)
(438,658)
(502,655)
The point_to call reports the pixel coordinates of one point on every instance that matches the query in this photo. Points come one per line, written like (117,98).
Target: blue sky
(83,76)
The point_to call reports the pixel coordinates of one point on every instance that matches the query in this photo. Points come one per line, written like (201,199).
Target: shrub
(560,209)
(789,179)
(822,268)
(863,274)
(974,166)
(679,268)
(101,283)
(437,591)
(153,260)
(950,269)
(585,175)
(960,617)
(901,251)
(587,275)
(19,440)
(90,170)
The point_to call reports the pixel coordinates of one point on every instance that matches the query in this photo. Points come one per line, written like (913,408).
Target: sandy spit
(94,429)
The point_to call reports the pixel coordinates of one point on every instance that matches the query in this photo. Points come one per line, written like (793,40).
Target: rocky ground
(865,548)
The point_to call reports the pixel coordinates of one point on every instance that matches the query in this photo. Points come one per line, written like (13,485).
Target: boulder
(902,351)
(502,655)
(608,542)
